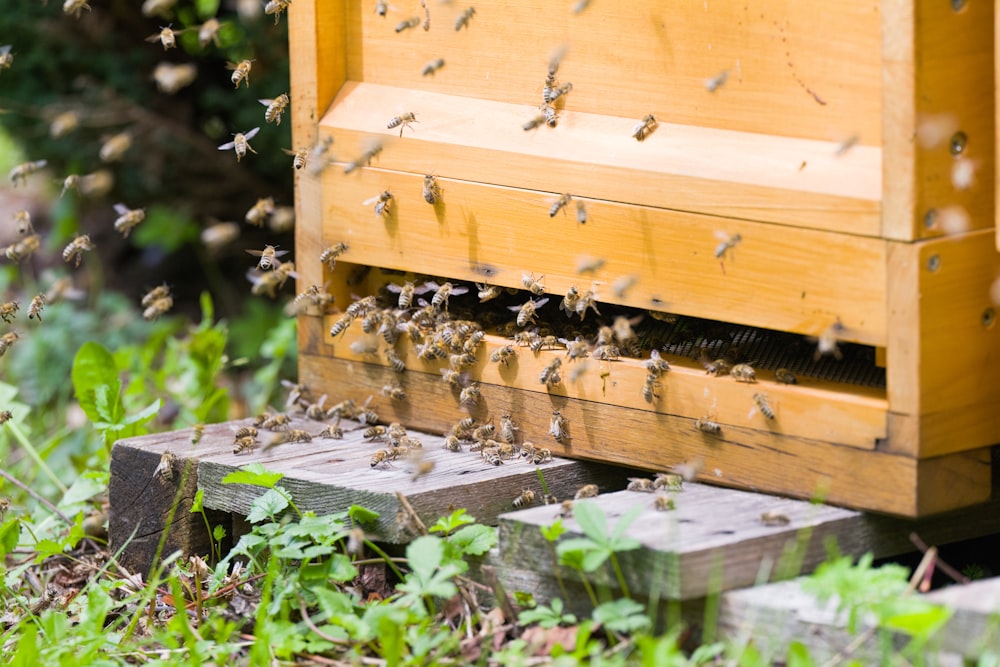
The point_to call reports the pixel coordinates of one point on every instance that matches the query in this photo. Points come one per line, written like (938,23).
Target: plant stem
(34,494)
(620,575)
(22,440)
(590,589)
(385,557)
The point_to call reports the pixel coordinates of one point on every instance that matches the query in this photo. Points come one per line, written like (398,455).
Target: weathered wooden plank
(975,622)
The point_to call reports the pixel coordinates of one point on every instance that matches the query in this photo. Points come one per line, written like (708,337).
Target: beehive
(831,148)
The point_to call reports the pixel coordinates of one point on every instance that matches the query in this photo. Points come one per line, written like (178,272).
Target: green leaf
(108,404)
(254,474)
(474,540)
(920,619)
(455,520)
(267,506)
(553,532)
(424,555)
(145,414)
(219,532)
(798,656)
(622,615)
(199,498)
(93,367)
(9,531)
(362,515)
(83,488)
(591,520)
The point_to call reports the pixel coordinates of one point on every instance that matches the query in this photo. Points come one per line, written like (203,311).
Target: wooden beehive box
(833,149)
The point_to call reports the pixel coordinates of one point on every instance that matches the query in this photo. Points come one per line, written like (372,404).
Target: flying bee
(209,32)
(8,311)
(535,123)
(6,57)
(329,255)
(165,469)
(260,212)
(75,249)
(19,174)
(668,481)
(166,36)
(622,327)
(403,121)
(7,340)
(362,306)
(128,218)
(581,212)
(274,422)
(432,67)
(275,108)
(406,292)
(549,113)
(292,435)
(432,191)
(158,307)
(63,124)
(773,518)
(727,242)
(316,410)
(559,204)
(394,391)
(644,128)
(503,355)
(268,257)
(641,484)
(649,389)
(664,503)
(421,469)
(241,143)
(557,426)
(532,284)
(276,7)
(197,432)
(508,429)
(344,409)
(743,373)
(382,202)
(36,306)
(526,498)
(557,92)
(452,377)
(406,24)
(763,405)
(705,425)
(487,292)
(470,395)
(656,365)
(463,20)
(442,293)
(826,344)
(340,326)
(74,7)
(69,183)
(623,284)
(6,416)
(587,300)
(570,301)
(717,81)
(241,72)
(364,159)
(586,491)
(527,310)
(171,78)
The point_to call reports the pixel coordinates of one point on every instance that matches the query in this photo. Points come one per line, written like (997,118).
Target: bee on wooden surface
(36,306)
(331,431)
(165,469)
(392,359)
(276,7)
(171,78)
(526,311)
(656,365)
(276,422)
(727,243)
(317,410)
(394,391)
(382,456)
(586,491)
(607,352)
(743,373)
(668,481)
(344,409)
(260,212)
(664,503)
(292,435)
(774,518)
(535,123)
(649,388)
(503,355)
(556,92)
(375,433)
(705,425)
(558,426)
(491,456)
(241,143)
(550,376)
(452,443)
(717,81)
(763,405)
(431,191)
(432,67)
(402,121)
(559,204)
(19,174)
(484,432)
(166,36)
(329,255)
(7,340)
(442,293)
(587,301)
(268,257)
(785,376)
(128,218)
(6,57)
(5,416)
(508,429)
(406,24)
(826,344)
(241,72)
(8,311)
(276,107)
(526,498)
(576,349)
(246,444)
(74,249)
(644,128)
(539,343)
(364,159)
(532,284)
(641,484)
(245,432)
(464,18)
(382,202)
(75,7)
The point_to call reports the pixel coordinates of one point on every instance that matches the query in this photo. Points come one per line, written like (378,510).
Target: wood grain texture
(797,182)
(776,278)
(743,457)
(629,58)
(974,625)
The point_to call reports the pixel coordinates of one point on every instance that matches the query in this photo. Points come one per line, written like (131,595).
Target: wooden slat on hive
(716,541)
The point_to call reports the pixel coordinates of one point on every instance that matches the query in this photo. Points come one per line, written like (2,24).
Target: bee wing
(394,288)
(541,302)
(516,308)
(370,201)
(227,146)
(266,103)
(121,209)
(431,285)
(231,65)
(455,291)
(251,134)
(422,289)
(721,235)
(287,151)
(155,37)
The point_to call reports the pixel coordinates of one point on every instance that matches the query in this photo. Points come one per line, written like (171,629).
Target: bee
(36,306)
(165,469)
(75,249)
(74,7)
(432,67)
(492,456)
(171,78)
(317,156)
(316,410)
(705,425)
(6,57)
(381,7)
(559,204)
(394,391)
(557,92)
(452,443)
(406,24)
(488,292)
(526,498)
(432,191)
(20,173)
(557,426)
(641,484)
(534,123)
(527,310)
(166,36)
(276,7)
(241,72)
(727,242)
(581,212)
(550,83)
(463,20)
(375,433)
(115,147)
(656,365)
(644,128)
(664,503)
(763,405)
(403,121)
(382,201)
(452,377)
(364,159)
(329,255)
(7,340)
(209,32)
(69,183)
(743,373)
(158,7)
(268,257)
(826,344)
(539,343)
(785,376)
(586,491)
(6,416)
(293,435)
(380,457)
(717,81)
(668,481)
(128,218)
(275,108)
(197,431)
(484,432)
(576,349)
(549,113)
(362,306)
(550,374)
(607,352)
(275,422)
(508,429)
(63,124)
(245,432)
(570,301)
(241,143)
(623,284)
(622,327)
(541,456)
(649,389)
(158,307)
(444,292)
(503,355)
(406,292)
(8,310)
(345,408)
(532,284)
(587,300)
(395,363)
(421,469)
(218,235)
(773,518)
(333,431)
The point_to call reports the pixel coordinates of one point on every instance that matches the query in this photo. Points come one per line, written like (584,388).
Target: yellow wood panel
(745,458)
(735,174)
(899,120)
(814,66)
(777,277)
